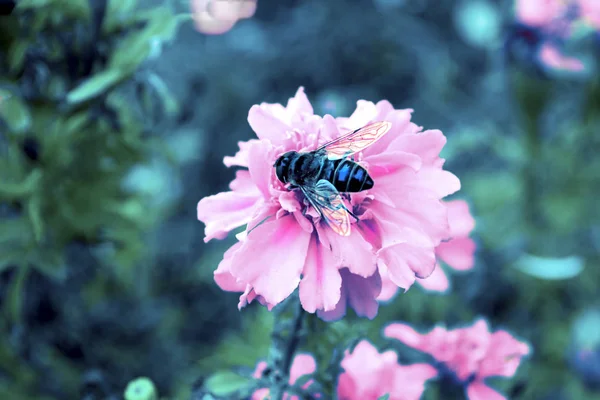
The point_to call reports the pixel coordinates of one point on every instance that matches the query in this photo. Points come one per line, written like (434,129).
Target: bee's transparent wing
(355,141)
(328,202)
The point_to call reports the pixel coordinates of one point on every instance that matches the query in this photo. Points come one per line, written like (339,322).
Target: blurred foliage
(99,284)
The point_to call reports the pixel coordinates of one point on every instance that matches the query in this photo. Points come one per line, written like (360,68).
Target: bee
(323,174)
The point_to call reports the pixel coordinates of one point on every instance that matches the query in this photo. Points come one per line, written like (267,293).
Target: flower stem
(285,339)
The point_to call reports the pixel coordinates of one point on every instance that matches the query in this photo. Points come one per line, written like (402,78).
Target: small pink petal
(260,171)
(406,262)
(353,252)
(426,145)
(365,112)
(460,219)
(480,391)
(388,288)
(299,104)
(320,287)
(436,282)
(551,56)
(405,334)
(240,158)
(538,13)
(267,125)
(457,253)
(389,162)
(303,364)
(358,292)
(443,182)
(224,212)
(274,274)
(222,274)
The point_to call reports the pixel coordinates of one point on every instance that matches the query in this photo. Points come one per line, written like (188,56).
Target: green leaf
(161,27)
(14,229)
(95,86)
(11,257)
(117,12)
(384,397)
(14,301)
(16,55)
(14,112)
(168,101)
(548,268)
(225,383)
(10,190)
(34,211)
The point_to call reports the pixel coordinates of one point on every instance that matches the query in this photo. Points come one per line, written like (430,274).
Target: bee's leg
(351,213)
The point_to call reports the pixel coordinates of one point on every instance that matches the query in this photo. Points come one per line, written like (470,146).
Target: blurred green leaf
(168,101)
(10,190)
(16,55)
(10,257)
(14,229)
(117,12)
(34,210)
(225,383)
(550,268)
(71,8)
(95,86)
(14,302)
(384,397)
(133,50)
(14,112)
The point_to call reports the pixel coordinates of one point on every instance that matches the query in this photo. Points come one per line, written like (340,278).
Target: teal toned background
(114,120)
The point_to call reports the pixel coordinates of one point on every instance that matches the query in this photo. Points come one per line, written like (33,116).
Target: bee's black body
(300,169)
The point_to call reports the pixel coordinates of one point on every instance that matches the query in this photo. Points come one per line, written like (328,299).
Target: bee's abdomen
(346,175)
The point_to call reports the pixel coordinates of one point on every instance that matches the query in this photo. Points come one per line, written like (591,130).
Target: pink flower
(539,13)
(552,58)
(458,252)
(215,17)
(472,353)
(286,245)
(369,375)
(589,11)
(303,364)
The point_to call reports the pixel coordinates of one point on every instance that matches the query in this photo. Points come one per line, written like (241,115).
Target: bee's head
(282,165)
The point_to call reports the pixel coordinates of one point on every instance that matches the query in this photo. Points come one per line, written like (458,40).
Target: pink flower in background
(539,13)
(472,353)
(303,364)
(369,375)
(552,57)
(458,252)
(402,219)
(215,17)
(589,11)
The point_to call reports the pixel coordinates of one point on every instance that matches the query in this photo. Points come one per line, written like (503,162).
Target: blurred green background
(114,119)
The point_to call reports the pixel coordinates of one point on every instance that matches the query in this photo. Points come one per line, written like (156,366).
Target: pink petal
(407,335)
(405,262)
(395,226)
(260,394)
(206,22)
(259,166)
(266,125)
(458,253)
(426,145)
(299,104)
(303,364)
(353,252)
(504,355)
(389,162)
(358,292)
(551,56)
(240,158)
(365,112)
(443,183)
(388,288)
(410,380)
(226,211)
(400,120)
(538,13)
(274,274)
(222,274)
(260,367)
(321,283)
(436,282)
(480,391)
(460,219)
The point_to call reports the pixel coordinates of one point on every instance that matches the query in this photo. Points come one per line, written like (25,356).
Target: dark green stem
(284,343)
